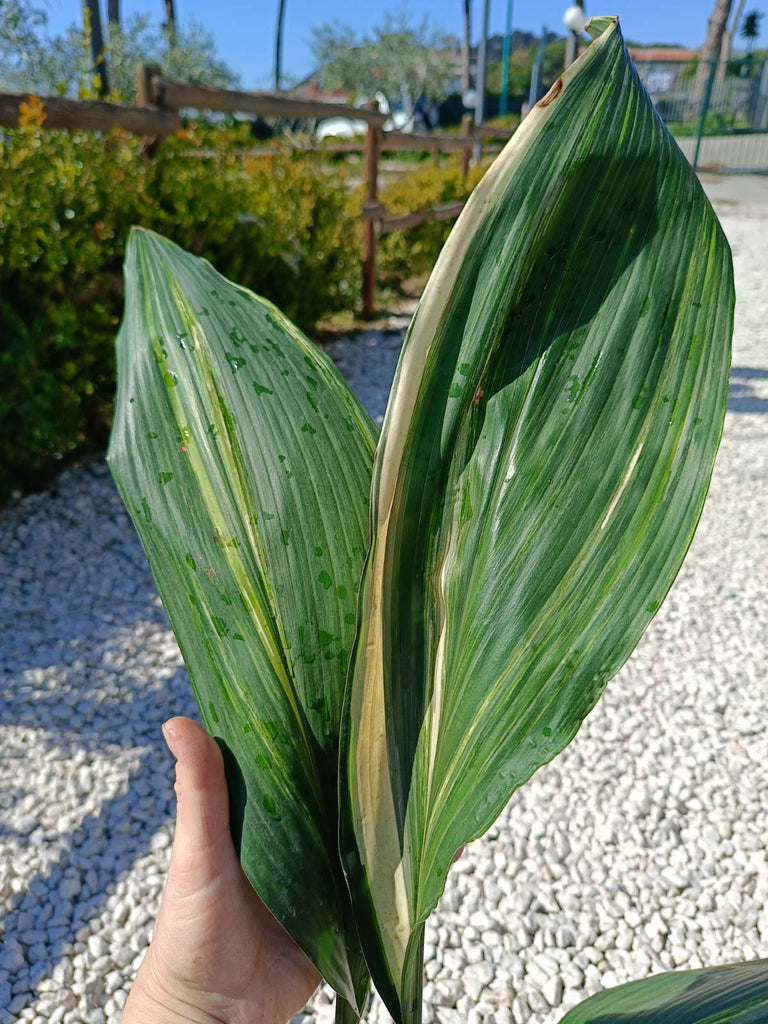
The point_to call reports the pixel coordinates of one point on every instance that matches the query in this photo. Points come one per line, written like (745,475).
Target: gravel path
(641,848)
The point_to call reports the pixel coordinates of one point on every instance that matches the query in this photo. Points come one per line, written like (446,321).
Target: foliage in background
(279,225)
(401,60)
(31,59)
(19,28)
(412,253)
(520,68)
(750,30)
(67,201)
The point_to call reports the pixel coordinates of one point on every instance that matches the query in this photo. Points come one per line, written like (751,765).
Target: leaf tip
(601,23)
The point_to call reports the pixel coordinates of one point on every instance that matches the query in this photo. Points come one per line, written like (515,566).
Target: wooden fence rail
(91,115)
(157,114)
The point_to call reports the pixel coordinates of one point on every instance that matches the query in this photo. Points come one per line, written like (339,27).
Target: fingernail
(169,735)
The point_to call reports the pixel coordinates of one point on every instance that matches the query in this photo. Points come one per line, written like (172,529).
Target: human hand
(217,954)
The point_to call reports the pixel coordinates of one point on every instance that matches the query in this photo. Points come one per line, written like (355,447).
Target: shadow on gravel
(58,902)
(88,672)
(742,396)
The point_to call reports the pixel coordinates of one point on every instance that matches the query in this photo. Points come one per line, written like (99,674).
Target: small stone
(112,982)
(552,990)
(12,958)
(69,888)
(122,956)
(521,1011)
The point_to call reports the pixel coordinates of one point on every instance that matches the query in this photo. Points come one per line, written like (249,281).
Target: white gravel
(640,849)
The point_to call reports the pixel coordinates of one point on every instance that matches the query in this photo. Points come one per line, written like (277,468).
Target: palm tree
(750,30)
(709,52)
(725,47)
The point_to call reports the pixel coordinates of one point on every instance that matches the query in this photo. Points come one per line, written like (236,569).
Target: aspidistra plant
(390,637)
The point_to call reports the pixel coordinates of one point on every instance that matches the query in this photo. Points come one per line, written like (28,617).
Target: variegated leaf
(245,463)
(543,463)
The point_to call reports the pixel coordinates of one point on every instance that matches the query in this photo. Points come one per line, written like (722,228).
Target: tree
(750,30)
(402,61)
(169,25)
(725,47)
(58,64)
(466,43)
(113,13)
(709,52)
(20,25)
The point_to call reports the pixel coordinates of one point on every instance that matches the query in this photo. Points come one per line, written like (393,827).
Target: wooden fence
(157,114)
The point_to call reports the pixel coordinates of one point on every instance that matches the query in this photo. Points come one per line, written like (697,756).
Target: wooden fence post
(149,93)
(369,226)
(148,86)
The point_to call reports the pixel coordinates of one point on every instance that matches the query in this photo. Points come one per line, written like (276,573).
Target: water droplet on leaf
(236,362)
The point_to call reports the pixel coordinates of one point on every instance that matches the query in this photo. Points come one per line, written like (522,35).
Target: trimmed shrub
(287,226)
(413,251)
(277,225)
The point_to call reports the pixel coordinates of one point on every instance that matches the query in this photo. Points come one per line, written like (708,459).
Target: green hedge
(278,225)
(287,227)
(412,252)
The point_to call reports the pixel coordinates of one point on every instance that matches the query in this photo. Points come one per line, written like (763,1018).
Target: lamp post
(480,80)
(574,20)
(535,92)
(505,62)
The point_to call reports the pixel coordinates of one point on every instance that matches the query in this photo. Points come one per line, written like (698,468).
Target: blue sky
(245,32)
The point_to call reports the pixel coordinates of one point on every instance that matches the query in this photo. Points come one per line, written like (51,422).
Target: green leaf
(732,994)
(245,516)
(542,466)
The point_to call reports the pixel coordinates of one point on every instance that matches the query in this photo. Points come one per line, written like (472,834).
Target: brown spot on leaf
(478,395)
(552,95)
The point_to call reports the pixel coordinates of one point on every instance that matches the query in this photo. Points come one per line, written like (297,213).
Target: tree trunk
(725,48)
(113,12)
(465,45)
(710,51)
(279,45)
(170,21)
(97,46)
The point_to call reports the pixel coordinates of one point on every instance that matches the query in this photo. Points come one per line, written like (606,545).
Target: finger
(202,842)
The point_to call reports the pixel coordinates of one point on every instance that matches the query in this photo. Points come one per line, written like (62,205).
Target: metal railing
(718,113)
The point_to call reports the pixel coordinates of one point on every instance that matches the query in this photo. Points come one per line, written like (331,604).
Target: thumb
(202,846)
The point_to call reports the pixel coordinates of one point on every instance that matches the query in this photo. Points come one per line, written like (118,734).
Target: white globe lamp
(575,19)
